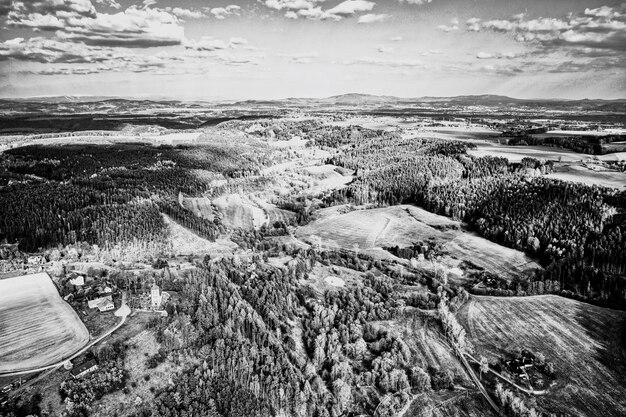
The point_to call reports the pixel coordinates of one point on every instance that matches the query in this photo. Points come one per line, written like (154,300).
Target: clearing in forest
(404,225)
(585,343)
(589,175)
(37,327)
(517,153)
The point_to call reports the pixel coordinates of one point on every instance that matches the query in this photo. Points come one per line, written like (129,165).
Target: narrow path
(477,382)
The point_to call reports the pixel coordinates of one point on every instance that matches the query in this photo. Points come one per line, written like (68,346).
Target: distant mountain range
(488,100)
(346,99)
(352,100)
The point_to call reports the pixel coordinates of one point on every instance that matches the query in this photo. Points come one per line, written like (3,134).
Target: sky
(267,49)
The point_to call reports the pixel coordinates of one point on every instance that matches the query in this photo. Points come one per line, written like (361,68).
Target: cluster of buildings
(84,369)
(520,365)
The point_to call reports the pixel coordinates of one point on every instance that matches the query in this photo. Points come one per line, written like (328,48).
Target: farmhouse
(79,281)
(519,366)
(84,369)
(102,303)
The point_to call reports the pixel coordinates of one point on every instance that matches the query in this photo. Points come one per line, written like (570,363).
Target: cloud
(396,39)
(221,12)
(77,20)
(601,28)
(68,58)
(418,2)
(454,25)
(185,14)
(385,49)
(350,7)
(373,18)
(301,58)
(309,9)
(394,63)
(430,52)
(473,24)
(69,70)
(110,3)
(46,50)
(290,4)
(235,41)
(206,43)
(446,28)
(484,55)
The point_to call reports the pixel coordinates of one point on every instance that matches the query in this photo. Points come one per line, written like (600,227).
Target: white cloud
(473,24)
(385,49)
(418,2)
(396,39)
(600,28)
(350,7)
(373,18)
(499,55)
(290,4)
(394,63)
(222,12)
(310,9)
(301,58)
(77,20)
(110,3)
(236,41)
(446,28)
(206,43)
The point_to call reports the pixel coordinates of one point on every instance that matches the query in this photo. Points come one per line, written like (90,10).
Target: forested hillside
(570,228)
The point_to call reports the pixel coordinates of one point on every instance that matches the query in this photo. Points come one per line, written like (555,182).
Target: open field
(238,211)
(584,342)
(458,131)
(200,206)
(327,177)
(612,157)
(186,242)
(36,326)
(422,334)
(323,278)
(517,153)
(584,175)
(404,225)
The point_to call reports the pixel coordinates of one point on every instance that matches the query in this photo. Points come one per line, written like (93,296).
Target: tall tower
(155,294)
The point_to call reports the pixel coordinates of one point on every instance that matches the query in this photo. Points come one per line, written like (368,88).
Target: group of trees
(267,344)
(587,144)
(512,405)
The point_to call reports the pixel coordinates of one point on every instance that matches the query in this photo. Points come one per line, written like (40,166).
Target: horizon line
(154,97)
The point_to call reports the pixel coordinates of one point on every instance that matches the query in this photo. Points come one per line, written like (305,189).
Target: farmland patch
(37,327)
(583,341)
